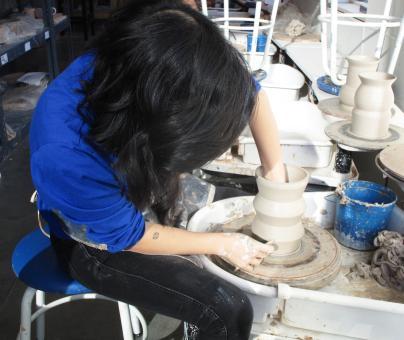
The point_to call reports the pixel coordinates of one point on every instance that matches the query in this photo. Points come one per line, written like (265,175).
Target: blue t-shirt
(74,181)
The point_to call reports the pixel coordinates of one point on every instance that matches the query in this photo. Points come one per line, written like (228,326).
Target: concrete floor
(81,320)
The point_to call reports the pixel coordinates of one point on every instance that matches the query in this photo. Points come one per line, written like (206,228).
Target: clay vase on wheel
(356,64)
(373,103)
(279,209)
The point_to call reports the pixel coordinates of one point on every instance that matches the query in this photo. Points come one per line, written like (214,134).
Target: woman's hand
(277,173)
(243,251)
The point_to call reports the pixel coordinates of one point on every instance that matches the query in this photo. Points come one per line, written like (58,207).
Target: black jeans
(169,285)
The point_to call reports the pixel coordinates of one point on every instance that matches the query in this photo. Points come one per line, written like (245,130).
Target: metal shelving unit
(10,52)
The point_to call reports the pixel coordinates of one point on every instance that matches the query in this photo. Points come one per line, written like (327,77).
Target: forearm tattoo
(156,235)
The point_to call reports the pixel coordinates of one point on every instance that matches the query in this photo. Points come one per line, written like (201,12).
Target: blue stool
(35,263)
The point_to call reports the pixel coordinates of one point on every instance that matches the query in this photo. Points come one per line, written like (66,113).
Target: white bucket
(282,83)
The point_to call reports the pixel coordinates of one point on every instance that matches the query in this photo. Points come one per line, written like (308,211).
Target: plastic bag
(22,98)
(285,17)
(34,78)
(18,27)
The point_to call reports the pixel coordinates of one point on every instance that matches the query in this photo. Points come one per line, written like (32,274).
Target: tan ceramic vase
(356,64)
(279,208)
(373,103)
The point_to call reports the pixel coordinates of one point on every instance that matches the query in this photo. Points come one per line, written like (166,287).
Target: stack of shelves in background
(18,123)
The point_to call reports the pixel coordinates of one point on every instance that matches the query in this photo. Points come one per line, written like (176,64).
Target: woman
(160,93)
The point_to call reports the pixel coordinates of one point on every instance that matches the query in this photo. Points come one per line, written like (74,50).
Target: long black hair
(168,94)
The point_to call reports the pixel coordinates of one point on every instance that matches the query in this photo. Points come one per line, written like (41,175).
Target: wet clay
(356,65)
(314,265)
(374,100)
(279,209)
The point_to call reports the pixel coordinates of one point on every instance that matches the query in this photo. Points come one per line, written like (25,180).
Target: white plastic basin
(301,128)
(282,83)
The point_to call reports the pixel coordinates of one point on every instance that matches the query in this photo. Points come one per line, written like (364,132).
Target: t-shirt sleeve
(257,85)
(81,189)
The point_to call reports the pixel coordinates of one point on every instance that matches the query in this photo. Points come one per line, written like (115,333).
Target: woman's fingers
(256,261)
(267,249)
(246,253)
(262,255)
(249,268)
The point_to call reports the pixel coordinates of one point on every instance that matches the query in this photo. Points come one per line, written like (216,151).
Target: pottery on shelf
(374,100)
(356,64)
(279,209)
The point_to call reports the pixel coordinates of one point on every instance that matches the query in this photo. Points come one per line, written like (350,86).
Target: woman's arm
(265,132)
(241,250)
(163,240)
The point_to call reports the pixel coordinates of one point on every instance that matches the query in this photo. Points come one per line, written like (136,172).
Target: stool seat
(35,263)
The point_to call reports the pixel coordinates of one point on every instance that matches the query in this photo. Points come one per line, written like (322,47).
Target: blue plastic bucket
(364,209)
(261,42)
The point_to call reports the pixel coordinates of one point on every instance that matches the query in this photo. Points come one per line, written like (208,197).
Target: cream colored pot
(374,100)
(356,64)
(279,209)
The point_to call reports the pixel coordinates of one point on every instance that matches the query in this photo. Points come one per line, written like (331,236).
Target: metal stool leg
(26,305)
(40,322)
(125,321)
(186,331)
(139,325)
(136,327)
(132,320)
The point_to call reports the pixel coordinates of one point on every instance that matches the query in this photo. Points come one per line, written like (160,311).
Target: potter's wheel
(396,176)
(332,108)
(314,265)
(340,132)
(392,160)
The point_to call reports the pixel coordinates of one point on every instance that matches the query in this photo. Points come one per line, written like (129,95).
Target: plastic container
(261,42)
(364,209)
(301,130)
(242,42)
(283,83)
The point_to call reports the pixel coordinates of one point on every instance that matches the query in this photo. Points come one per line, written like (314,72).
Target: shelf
(10,52)
(19,121)
(62,25)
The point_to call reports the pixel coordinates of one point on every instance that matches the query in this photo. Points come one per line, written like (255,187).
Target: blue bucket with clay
(261,42)
(363,210)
